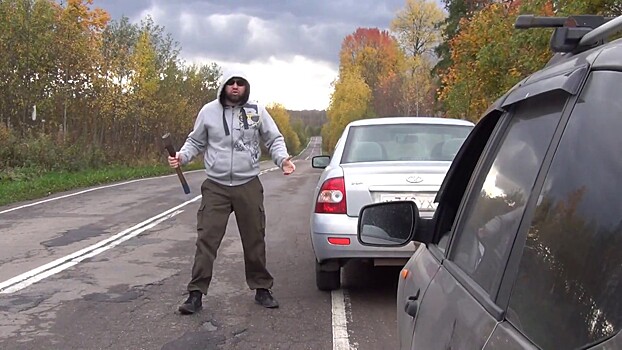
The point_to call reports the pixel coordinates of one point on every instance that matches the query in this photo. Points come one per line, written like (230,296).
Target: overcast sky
(289,49)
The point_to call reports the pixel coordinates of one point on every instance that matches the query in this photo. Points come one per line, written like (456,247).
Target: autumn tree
(375,55)
(78,34)
(24,68)
(456,11)
(367,58)
(119,41)
(145,84)
(489,56)
(485,59)
(15,59)
(197,86)
(103,88)
(349,101)
(282,120)
(147,90)
(417,28)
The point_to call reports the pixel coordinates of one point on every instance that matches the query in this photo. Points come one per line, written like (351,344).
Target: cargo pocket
(200,212)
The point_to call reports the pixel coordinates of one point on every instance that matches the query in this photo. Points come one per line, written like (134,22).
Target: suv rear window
(404,142)
(568,291)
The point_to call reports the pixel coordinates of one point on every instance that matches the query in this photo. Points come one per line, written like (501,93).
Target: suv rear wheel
(326,277)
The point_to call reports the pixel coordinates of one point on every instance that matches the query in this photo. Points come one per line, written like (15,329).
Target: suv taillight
(332,197)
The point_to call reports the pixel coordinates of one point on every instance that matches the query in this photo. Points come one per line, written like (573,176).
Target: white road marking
(341,341)
(67,195)
(312,150)
(24,280)
(86,191)
(310,153)
(47,273)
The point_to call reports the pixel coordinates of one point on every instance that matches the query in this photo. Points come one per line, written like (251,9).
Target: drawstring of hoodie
(244,118)
(226,126)
(224,123)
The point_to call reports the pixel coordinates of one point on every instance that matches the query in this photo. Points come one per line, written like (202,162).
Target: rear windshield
(404,142)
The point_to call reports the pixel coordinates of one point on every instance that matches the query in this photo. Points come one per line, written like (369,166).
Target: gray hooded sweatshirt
(230,136)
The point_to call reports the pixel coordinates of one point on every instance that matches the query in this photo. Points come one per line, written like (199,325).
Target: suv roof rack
(574,33)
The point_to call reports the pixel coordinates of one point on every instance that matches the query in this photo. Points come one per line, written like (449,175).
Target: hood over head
(225,78)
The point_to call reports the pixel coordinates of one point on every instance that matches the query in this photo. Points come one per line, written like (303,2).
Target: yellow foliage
(282,119)
(350,101)
(146,76)
(418,26)
(489,56)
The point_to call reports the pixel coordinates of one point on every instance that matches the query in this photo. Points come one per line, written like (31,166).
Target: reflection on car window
(568,292)
(494,215)
(404,142)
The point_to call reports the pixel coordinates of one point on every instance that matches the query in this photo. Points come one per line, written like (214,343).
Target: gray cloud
(247,30)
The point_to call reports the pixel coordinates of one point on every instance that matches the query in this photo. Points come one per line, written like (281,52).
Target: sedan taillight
(332,197)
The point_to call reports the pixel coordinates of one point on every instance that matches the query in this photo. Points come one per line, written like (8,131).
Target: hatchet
(171,152)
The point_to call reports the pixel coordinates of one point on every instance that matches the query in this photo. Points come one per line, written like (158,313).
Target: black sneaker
(264,298)
(192,304)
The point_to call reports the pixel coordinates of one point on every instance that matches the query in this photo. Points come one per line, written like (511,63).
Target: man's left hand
(288,166)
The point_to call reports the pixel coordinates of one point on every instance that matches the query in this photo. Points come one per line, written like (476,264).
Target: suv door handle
(412,305)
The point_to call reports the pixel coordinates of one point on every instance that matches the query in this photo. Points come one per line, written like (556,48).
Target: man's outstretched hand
(288,166)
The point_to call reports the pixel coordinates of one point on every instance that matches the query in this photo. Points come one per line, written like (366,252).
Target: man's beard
(234,99)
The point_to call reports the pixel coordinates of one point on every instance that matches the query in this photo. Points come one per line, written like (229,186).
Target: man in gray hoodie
(228,130)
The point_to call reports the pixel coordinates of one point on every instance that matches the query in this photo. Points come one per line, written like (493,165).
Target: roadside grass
(43,185)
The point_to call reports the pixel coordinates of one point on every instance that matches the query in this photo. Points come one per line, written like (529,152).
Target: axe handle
(171,152)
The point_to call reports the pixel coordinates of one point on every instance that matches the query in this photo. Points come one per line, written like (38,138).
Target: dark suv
(525,248)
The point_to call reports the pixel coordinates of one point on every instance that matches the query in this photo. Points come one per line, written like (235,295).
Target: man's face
(235,89)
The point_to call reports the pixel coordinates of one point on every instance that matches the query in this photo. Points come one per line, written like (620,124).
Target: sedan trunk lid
(374,182)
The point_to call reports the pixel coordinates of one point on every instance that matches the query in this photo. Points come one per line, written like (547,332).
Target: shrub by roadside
(36,166)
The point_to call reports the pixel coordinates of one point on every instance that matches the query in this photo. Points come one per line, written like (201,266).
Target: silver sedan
(377,160)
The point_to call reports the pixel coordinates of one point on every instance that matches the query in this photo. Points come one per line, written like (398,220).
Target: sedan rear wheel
(327,280)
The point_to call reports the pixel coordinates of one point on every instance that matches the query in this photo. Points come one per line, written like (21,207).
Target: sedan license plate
(424,201)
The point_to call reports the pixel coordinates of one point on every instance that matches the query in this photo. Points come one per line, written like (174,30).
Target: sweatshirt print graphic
(249,123)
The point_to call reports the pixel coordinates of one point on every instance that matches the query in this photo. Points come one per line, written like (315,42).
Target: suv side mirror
(320,162)
(388,224)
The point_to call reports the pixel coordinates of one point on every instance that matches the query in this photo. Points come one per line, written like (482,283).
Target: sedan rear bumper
(325,226)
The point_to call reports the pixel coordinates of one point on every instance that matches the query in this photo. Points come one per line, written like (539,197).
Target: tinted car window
(568,292)
(493,216)
(459,174)
(403,142)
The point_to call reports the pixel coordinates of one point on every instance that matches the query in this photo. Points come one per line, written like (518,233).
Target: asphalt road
(107,267)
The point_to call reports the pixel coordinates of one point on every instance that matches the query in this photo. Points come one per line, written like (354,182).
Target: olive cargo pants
(217,203)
